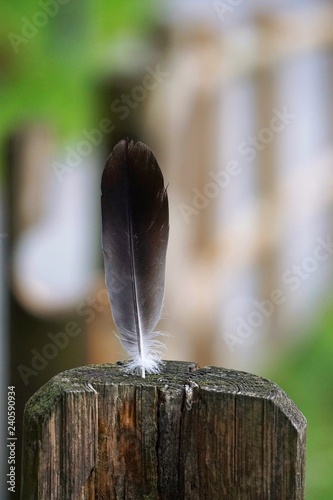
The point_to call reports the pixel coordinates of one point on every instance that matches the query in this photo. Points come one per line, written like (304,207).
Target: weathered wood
(209,433)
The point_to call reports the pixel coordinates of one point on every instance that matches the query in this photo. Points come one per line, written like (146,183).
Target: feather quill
(135,230)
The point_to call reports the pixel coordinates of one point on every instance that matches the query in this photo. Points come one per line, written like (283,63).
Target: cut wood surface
(96,432)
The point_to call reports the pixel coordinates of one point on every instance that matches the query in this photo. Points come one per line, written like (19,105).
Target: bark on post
(186,433)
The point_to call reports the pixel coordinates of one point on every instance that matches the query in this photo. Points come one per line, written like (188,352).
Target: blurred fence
(244,126)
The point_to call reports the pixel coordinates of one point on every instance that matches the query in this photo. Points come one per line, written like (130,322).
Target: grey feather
(135,229)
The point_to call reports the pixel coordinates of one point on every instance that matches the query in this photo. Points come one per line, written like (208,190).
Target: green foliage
(307,377)
(52,74)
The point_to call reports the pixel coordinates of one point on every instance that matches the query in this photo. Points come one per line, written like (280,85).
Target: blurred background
(235,99)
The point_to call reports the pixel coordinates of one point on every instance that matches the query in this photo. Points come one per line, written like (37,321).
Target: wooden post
(96,432)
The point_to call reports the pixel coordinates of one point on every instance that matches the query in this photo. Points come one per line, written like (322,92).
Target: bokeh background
(235,99)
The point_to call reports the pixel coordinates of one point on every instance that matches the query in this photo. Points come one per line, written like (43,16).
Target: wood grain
(96,432)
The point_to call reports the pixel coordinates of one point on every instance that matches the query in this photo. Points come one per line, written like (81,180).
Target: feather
(135,230)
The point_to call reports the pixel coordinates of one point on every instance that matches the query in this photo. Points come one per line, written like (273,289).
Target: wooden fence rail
(96,432)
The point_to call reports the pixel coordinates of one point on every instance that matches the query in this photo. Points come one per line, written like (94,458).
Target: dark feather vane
(135,230)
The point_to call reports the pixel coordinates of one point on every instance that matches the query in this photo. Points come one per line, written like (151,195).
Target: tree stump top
(175,375)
